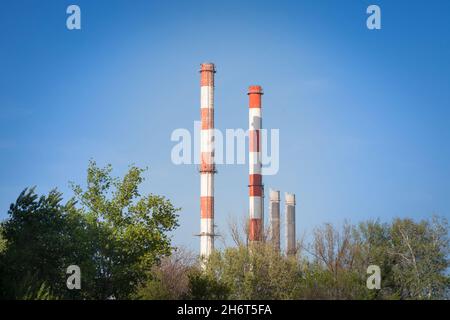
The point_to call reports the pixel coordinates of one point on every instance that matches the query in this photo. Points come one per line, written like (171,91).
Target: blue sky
(363,115)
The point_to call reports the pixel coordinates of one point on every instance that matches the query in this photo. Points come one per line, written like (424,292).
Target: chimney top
(274,195)
(207,66)
(255,90)
(289,198)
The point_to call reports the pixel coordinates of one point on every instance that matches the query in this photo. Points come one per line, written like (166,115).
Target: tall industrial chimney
(207,167)
(256,189)
(290,223)
(275,218)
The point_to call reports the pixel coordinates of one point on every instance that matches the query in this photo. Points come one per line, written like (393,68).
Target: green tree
(131,230)
(40,245)
(170,278)
(109,230)
(205,287)
(413,257)
(256,273)
(420,252)
(333,272)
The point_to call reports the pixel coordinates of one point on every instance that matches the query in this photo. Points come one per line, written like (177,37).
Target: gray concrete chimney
(290,224)
(274,210)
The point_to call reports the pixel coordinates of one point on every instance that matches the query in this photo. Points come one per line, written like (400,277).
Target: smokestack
(290,223)
(275,218)
(256,189)
(207,167)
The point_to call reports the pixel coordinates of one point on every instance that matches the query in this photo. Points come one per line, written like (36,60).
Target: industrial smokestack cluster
(256,187)
(274,231)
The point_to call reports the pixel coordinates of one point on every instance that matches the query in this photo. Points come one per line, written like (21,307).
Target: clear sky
(363,115)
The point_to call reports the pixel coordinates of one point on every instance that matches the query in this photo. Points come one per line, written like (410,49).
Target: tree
(131,230)
(109,230)
(258,272)
(170,279)
(420,251)
(41,241)
(413,257)
(371,239)
(333,273)
(204,287)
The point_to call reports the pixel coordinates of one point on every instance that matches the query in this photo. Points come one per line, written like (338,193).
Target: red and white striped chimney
(256,189)
(207,167)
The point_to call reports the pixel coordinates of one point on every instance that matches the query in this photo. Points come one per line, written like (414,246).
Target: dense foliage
(120,240)
(412,256)
(109,230)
